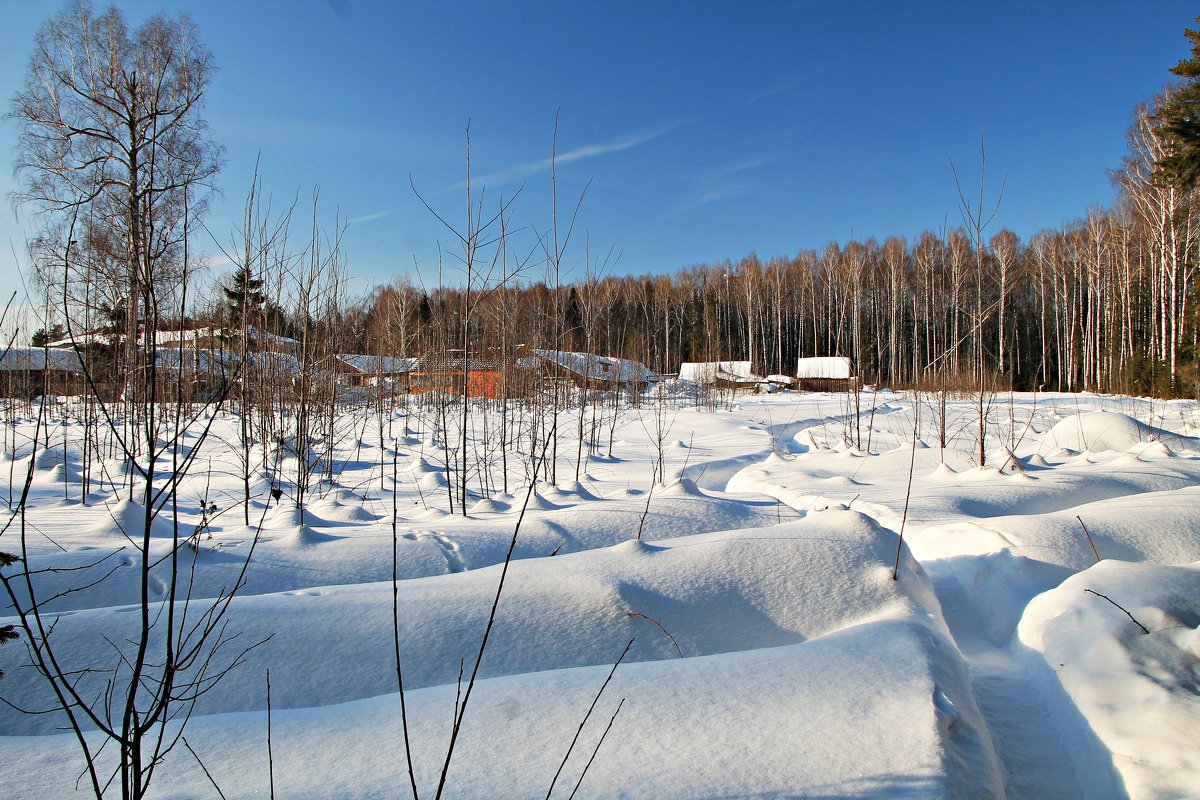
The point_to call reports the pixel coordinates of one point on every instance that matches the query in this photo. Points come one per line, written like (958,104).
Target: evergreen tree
(1179,116)
(244,298)
(43,336)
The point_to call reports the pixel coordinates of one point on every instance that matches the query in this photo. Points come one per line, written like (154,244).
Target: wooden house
(591,371)
(361,370)
(825,374)
(483,373)
(32,371)
(722,374)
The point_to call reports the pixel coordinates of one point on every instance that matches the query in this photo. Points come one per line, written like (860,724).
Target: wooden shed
(825,374)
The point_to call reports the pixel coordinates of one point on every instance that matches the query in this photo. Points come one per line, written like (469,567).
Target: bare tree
(111,126)
(115,153)
(977,218)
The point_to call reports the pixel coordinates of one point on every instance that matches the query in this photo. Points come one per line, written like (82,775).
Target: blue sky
(707,129)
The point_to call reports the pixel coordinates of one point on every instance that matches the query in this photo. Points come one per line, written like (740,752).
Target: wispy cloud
(374,215)
(616,145)
(713,185)
(778,88)
(706,197)
(743,165)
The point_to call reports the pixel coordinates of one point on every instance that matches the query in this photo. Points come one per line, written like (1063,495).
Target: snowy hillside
(773,654)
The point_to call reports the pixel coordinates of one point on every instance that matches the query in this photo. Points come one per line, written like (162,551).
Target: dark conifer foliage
(1180,118)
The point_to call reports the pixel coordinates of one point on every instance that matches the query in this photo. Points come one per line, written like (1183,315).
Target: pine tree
(43,336)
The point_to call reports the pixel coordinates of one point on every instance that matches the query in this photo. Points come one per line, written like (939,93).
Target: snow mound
(1148,526)
(287,515)
(1096,431)
(577,489)
(304,536)
(817,719)
(1138,691)
(49,459)
(63,473)
(549,490)
(128,518)
(420,466)
(537,502)
(807,439)
(942,472)
(345,496)
(432,481)
(336,511)
(488,506)
(714,593)
(684,487)
(1152,450)
(840,480)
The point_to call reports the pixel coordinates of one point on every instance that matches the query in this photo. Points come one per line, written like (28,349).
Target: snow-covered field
(773,654)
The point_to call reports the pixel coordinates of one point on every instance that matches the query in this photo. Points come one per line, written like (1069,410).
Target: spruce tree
(244,298)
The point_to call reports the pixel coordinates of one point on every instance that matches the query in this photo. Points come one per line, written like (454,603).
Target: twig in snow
(649,494)
(207,774)
(487,630)
(660,627)
(462,664)
(912,460)
(588,765)
(270,755)
(688,457)
(1088,534)
(412,775)
(591,708)
(1109,599)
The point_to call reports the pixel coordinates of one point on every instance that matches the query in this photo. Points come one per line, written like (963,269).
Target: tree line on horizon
(1107,303)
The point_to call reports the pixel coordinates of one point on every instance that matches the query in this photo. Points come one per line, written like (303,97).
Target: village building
(32,371)
(825,374)
(590,371)
(721,374)
(361,370)
(483,373)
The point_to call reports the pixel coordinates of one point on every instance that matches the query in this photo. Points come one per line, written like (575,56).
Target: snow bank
(813,719)
(774,655)
(802,657)
(1151,526)
(712,593)
(1138,691)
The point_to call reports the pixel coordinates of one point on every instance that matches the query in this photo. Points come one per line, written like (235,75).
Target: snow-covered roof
(161,338)
(25,359)
(265,336)
(710,371)
(600,368)
(830,367)
(278,364)
(187,336)
(194,334)
(89,337)
(372,365)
